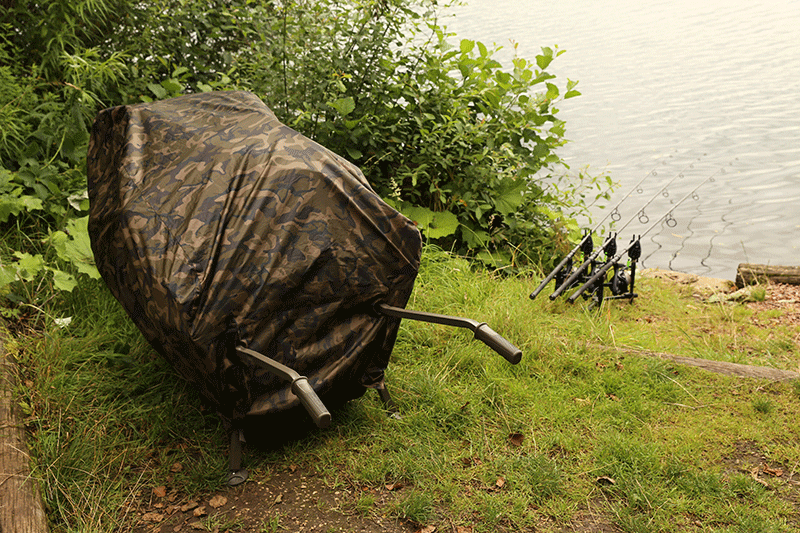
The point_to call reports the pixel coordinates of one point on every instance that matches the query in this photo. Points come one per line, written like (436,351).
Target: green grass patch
(578,425)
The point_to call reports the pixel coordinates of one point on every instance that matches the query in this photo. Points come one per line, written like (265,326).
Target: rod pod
(602,270)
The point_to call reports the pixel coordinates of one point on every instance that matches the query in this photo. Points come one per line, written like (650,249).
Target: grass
(578,429)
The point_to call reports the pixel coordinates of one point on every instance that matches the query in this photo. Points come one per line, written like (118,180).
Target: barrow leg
(236,474)
(388,403)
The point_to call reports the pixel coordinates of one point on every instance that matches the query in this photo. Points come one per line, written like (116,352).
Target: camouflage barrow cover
(215,226)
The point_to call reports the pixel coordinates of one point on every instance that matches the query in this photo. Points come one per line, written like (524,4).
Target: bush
(460,144)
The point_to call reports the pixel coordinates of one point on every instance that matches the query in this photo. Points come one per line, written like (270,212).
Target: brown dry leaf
(605,480)
(754,474)
(292,468)
(619,365)
(188,506)
(217,501)
(427,529)
(500,483)
(153,517)
(462,529)
(612,397)
(200,511)
(160,492)
(393,486)
(471,461)
(176,467)
(776,472)
(278,499)
(516,439)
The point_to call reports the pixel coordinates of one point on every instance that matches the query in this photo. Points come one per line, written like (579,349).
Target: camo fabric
(215,225)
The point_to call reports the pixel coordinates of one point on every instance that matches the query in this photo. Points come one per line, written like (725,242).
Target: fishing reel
(623,277)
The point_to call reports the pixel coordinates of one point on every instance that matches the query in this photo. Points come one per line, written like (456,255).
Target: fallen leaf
(218,501)
(612,397)
(461,529)
(393,486)
(153,517)
(198,525)
(776,472)
(278,499)
(292,468)
(619,365)
(188,506)
(200,511)
(427,529)
(176,467)
(500,483)
(160,492)
(605,480)
(516,439)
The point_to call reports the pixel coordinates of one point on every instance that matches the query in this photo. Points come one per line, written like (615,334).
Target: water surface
(666,84)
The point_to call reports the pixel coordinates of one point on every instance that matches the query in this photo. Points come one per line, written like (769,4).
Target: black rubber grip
(319,413)
(493,340)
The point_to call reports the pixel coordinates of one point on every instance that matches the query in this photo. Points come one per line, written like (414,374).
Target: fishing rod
(667,216)
(641,216)
(586,242)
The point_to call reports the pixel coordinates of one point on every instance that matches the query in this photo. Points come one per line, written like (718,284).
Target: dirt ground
(295,499)
(292,499)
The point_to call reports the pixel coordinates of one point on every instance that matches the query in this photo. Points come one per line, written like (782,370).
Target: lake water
(666,84)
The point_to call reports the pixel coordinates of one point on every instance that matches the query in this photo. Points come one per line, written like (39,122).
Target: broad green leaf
(157,90)
(546,57)
(28,266)
(344,106)
(475,239)
(172,86)
(354,153)
(435,224)
(467,46)
(510,195)
(552,91)
(8,275)
(63,281)
(75,247)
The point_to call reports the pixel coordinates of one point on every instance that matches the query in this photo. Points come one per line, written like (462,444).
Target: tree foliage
(463,145)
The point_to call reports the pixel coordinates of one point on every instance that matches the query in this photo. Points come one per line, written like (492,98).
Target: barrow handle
(499,344)
(300,386)
(482,332)
(316,409)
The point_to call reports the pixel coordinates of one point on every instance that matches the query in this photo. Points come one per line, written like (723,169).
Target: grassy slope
(576,428)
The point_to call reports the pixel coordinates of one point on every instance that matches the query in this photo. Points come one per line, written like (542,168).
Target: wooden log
(751,274)
(21,507)
(719,367)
